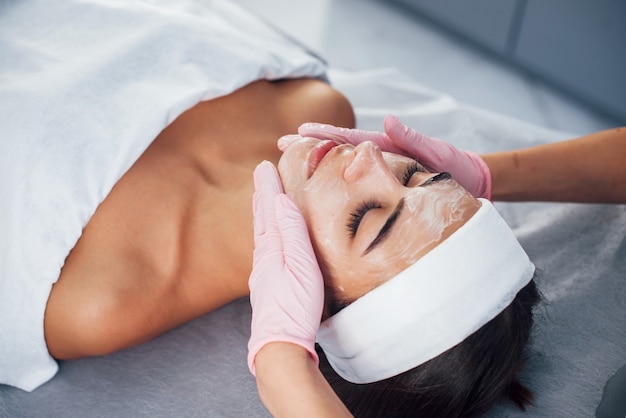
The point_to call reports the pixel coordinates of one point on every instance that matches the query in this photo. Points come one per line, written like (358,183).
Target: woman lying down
(390,239)
(425,294)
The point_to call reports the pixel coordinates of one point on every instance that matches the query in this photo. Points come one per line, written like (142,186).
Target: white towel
(85,86)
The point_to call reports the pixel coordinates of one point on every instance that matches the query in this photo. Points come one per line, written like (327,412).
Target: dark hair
(464,381)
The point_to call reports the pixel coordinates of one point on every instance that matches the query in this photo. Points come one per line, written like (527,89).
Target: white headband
(431,306)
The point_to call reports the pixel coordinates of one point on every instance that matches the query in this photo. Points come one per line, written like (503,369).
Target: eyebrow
(384,231)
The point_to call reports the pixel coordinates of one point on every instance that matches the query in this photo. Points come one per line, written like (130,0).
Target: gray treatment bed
(577,358)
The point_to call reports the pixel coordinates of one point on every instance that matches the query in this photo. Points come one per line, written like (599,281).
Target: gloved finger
(267,180)
(297,248)
(346,135)
(268,250)
(267,186)
(428,151)
(466,167)
(300,260)
(286,140)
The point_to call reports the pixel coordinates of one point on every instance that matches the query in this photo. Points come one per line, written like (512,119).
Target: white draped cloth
(85,86)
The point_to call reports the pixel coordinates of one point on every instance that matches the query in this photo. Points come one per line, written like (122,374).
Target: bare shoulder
(173,239)
(317,101)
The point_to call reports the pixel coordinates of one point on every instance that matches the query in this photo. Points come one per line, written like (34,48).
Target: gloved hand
(466,167)
(286,285)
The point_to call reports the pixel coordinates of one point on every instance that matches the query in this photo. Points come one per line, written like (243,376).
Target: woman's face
(370,214)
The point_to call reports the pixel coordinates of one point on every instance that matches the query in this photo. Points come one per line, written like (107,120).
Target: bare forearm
(591,168)
(290,384)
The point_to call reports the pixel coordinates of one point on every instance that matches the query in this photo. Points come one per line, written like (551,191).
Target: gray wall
(576,45)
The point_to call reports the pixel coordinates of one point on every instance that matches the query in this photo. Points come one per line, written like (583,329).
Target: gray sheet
(579,344)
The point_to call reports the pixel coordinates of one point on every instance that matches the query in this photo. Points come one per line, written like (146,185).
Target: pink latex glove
(286,285)
(466,167)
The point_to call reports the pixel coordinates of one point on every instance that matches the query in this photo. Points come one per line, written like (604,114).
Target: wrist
(274,343)
(290,384)
(483,186)
(282,355)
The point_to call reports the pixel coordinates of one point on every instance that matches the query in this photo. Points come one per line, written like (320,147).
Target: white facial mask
(431,215)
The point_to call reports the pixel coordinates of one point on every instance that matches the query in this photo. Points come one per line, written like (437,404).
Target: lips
(317,154)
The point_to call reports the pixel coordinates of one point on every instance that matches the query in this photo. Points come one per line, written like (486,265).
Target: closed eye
(357,216)
(412,168)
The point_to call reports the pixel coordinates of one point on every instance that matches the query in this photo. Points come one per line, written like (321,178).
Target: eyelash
(411,169)
(357,216)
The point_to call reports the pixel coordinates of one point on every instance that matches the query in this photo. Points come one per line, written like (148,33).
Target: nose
(368,159)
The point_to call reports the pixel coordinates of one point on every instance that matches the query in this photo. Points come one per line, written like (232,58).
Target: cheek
(325,199)
(324,203)
(330,239)
(343,268)
(292,169)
